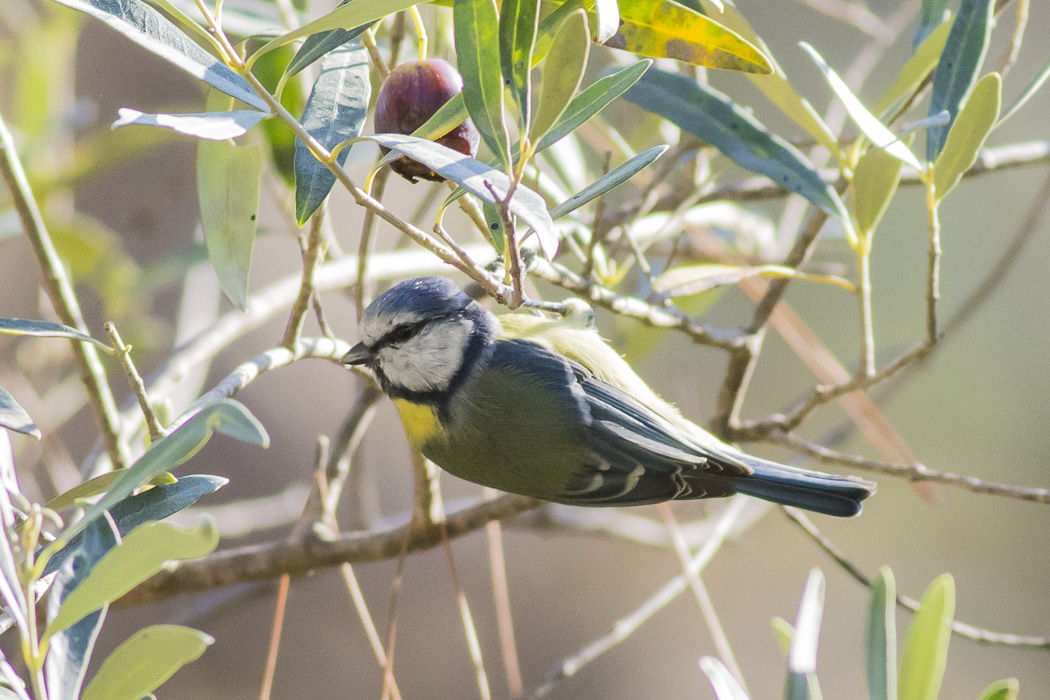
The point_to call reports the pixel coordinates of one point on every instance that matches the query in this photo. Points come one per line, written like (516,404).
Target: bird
(544,407)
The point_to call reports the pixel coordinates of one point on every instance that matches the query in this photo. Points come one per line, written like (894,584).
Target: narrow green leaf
(476,25)
(715,118)
(226,416)
(143,662)
(335,112)
(228,191)
(154,32)
(803,655)
(875,181)
(212,126)
(476,177)
(784,631)
(1002,690)
(350,16)
(610,180)
(882,636)
(497,230)
(518,22)
(148,506)
(665,29)
(726,687)
(959,66)
(926,646)
(931,14)
(976,119)
(46,329)
(563,71)
(69,651)
(1027,93)
(141,554)
(916,69)
(593,100)
(775,85)
(14,417)
(688,280)
(868,123)
(448,117)
(318,45)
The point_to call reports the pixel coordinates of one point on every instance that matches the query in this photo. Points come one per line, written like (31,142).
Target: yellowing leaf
(875,181)
(665,29)
(967,135)
(916,69)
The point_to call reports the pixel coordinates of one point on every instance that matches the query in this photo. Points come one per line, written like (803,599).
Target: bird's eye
(403,332)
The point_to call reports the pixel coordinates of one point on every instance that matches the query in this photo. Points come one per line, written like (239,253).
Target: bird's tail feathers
(790,486)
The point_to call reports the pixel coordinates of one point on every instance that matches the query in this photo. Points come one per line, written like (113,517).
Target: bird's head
(421,337)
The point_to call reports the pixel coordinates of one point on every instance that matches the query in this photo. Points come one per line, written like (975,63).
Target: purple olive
(410,95)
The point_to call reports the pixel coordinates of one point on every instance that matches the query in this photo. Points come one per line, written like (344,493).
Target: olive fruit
(410,95)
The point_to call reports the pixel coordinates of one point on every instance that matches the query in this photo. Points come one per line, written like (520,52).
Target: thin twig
(391,635)
(933,272)
(275,637)
(63,297)
(368,40)
(703,598)
(632,307)
(501,598)
(628,625)
(1009,57)
(910,472)
(313,256)
(469,628)
(156,430)
(976,634)
(362,293)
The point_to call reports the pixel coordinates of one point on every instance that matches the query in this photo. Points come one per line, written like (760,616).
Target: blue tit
(545,408)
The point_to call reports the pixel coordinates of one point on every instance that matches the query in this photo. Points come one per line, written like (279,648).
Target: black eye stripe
(406,331)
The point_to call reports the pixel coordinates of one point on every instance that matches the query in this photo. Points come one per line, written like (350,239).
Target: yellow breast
(420,421)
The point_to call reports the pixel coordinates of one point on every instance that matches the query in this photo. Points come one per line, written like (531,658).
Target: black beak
(360,354)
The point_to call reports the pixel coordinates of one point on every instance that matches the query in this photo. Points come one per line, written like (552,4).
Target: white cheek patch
(428,361)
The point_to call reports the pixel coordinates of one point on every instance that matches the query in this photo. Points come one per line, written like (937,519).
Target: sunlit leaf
(931,14)
(875,181)
(46,329)
(959,66)
(69,650)
(881,645)
(213,126)
(14,417)
(775,85)
(715,118)
(665,29)
(154,32)
(976,120)
(726,687)
(318,45)
(607,16)
(925,652)
(141,554)
(146,660)
(228,180)
(476,177)
(875,130)
(148,506)
(12,595)
(563,71)
(225,416)
(335,112)
(517,38)
(916,69)
(350,16)
(610,180)
(476,25)
(593,100)
(1008,689)
(696,279)
(1027,93)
